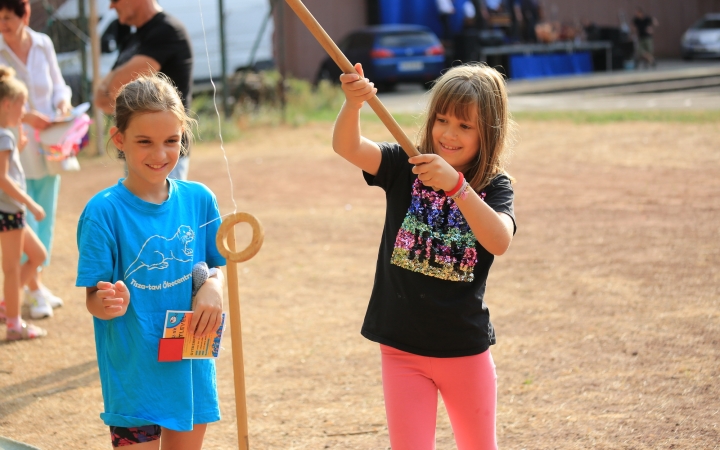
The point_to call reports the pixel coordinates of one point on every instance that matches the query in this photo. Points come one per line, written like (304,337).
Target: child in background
(15,236)
(138,242)
(449,213)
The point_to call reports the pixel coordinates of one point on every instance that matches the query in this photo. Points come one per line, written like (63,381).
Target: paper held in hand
(178,343)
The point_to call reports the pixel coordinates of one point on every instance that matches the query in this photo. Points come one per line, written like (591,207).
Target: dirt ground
(606,307)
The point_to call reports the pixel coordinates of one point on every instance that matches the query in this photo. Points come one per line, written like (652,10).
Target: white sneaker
(53,299)
(39,305)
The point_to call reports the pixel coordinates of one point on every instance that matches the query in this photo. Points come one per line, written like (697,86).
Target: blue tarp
(538,66)
(419,12)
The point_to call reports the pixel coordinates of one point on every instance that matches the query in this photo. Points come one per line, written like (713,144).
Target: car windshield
(406,39)
(707,24)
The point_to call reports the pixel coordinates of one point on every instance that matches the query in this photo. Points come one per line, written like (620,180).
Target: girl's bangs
(456,98)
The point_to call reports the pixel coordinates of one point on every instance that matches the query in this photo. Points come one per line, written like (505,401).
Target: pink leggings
(467,384)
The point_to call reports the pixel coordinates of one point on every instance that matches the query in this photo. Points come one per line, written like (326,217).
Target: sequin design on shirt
(435,239)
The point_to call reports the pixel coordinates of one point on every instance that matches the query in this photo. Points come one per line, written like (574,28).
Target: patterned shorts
(12,221)
(122,436)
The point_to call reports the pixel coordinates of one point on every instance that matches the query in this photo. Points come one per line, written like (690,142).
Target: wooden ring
(227,226)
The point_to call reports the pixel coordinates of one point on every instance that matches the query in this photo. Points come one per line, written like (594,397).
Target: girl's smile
(456,140)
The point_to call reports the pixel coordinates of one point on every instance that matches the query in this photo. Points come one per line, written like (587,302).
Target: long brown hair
(455,93)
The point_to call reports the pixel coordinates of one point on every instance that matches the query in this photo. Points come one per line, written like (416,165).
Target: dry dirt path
(606,307)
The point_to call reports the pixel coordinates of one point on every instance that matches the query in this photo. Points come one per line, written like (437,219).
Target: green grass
(307,103)
(599,117)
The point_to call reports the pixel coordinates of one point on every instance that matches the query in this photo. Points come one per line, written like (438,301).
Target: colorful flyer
(193,347)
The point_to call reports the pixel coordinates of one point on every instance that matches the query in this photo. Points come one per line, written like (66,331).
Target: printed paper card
(205,347)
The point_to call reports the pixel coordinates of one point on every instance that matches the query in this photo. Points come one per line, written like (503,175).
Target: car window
(407,39)
(708,24)
(360,41)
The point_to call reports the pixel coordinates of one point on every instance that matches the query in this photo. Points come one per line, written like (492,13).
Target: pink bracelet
(462,192)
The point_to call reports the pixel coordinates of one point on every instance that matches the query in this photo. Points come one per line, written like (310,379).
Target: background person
(446,9)
(644,26)
(160,44)
(527,14)
(15,237)
(32,56)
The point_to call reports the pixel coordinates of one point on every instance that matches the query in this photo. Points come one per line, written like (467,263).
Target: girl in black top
(449,212)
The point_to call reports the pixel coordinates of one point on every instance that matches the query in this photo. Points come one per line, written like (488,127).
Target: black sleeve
(499,196)
(162,43)
(394,159)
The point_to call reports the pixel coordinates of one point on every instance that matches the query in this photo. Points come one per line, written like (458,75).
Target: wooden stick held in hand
(346,66)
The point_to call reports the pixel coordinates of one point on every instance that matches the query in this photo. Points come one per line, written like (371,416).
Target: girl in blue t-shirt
(138,242)
(449,212)
(15,237)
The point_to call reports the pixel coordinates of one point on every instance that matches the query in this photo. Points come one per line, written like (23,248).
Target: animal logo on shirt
(158,251)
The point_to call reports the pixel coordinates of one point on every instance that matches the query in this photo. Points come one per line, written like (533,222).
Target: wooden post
(225,241)
(84,27)
(95,51)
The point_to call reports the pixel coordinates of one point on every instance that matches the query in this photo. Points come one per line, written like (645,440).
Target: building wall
(674,16)
(338,17)
(303,54)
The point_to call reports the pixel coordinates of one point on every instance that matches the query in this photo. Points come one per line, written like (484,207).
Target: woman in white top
(32,55)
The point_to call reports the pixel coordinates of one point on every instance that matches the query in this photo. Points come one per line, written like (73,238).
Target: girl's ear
(117,138)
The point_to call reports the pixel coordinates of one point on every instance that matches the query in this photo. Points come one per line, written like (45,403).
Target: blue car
(390,54)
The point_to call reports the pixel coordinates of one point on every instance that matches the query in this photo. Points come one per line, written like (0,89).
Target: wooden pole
(237,350)
(280,29)
(346,66)
(84,27)
(225,241)
(95,51)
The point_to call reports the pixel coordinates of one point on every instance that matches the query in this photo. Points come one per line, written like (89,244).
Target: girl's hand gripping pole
(225,241)
(341,60)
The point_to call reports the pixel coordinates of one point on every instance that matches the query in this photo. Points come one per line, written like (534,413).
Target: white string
(217,112)
(208,223)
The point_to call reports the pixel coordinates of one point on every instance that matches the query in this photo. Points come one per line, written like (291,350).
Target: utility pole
(223,62)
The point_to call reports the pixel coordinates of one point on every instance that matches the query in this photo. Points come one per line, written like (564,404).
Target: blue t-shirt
(152,248)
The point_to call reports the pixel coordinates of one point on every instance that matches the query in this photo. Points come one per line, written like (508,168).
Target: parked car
(390,54)
(702,40)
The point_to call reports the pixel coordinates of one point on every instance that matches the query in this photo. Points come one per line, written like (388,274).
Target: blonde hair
(457,92)
(149,94)
(11,87)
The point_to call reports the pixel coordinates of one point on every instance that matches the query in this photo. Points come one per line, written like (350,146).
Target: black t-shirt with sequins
(427,298)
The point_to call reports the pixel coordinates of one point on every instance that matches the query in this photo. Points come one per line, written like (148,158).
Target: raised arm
(347,140)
